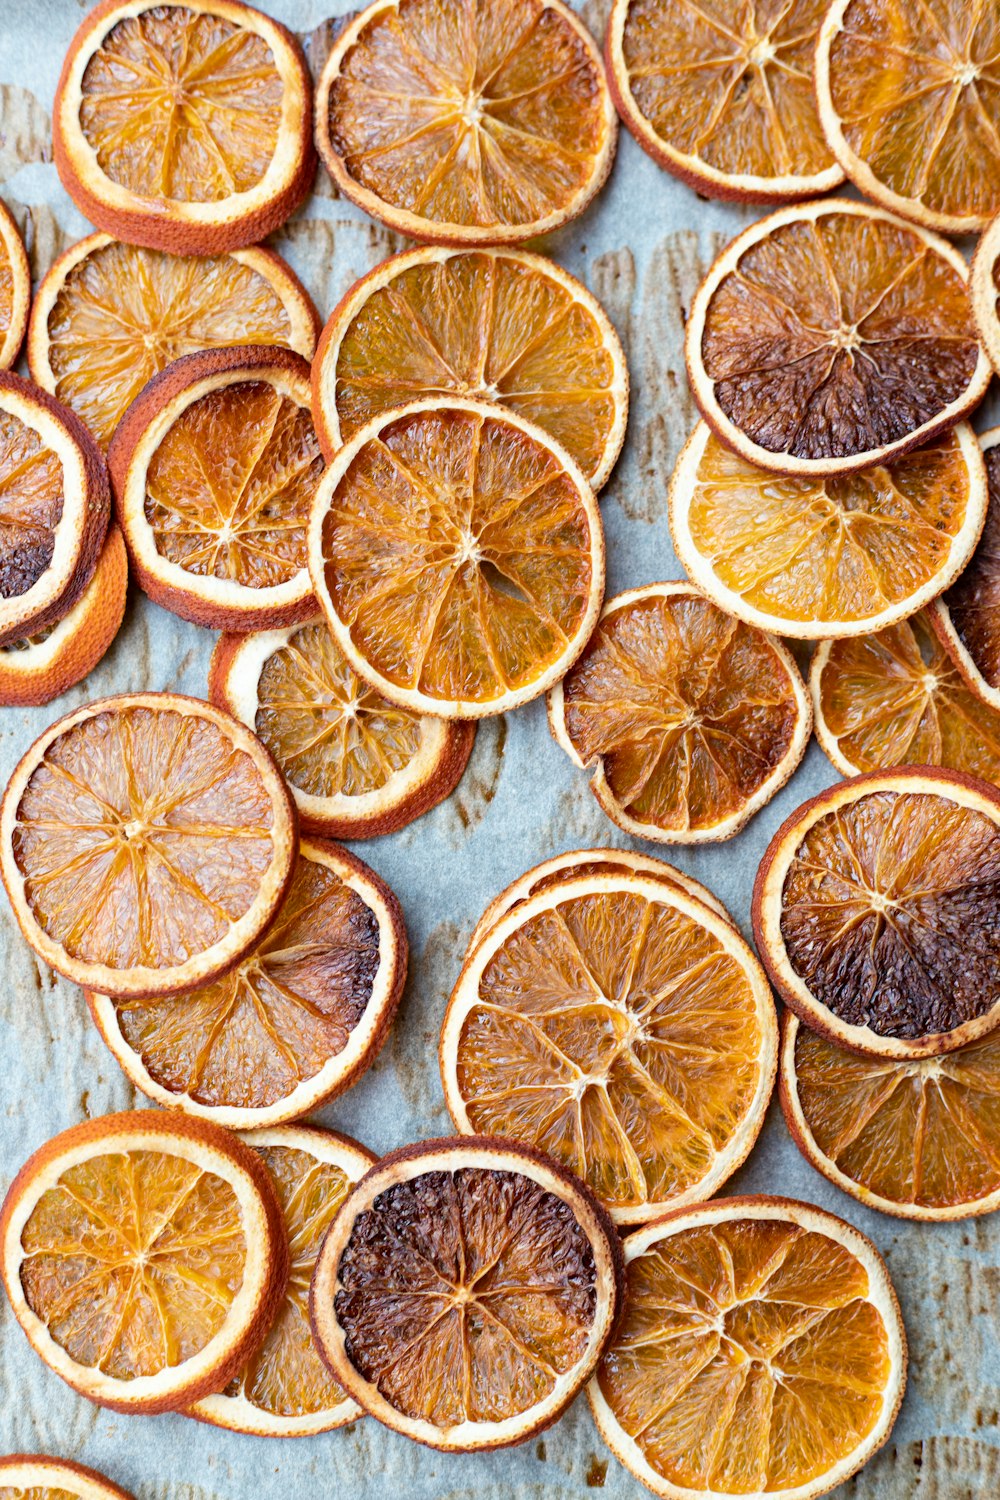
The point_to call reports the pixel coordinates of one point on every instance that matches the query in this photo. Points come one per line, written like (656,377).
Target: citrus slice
(908,102)
(984,287)
(828,556)
(762,1351)
(15,289)
(875,911)
(54,508)
(107,317)
(146,842)
(830,337)
(723,96)
(466,125)
(356,764)
(920,1140)
(214,467)
(298,1020)
(40,667)
(144,1256)
(458,554)
(285,1390)
(691,720)
(967,616)
(184,127)
(35,1476)
(503,325)
(622,1027)
(465,1291)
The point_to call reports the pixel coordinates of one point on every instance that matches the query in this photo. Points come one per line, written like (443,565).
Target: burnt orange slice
(967,616)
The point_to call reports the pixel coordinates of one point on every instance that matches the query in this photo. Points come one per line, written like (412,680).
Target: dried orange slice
(184,127)
(465,1291)
(984,288)
(830,337)
(458,554)
(15,289)
(486,125)
(691,720)
(144,1256)
(967,616)
(908,101)
(356,764)
(214,467)
(35,1476)
(285,1389)
(762,1350)
(920,1140)
(146,842)
(294,1024)
(622,1027)
(107,317)
(830,556)
(502,325)
(875,911)
(723,96)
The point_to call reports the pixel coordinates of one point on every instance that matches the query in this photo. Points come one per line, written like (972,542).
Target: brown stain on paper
(25,130)
(413,1040)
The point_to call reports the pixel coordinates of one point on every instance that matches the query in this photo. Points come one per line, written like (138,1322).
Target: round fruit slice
(691,720)
(908,99)
(15,289)
(285,1389)
(984,287)
(108,317)
(832,556)
(762,1350)
(184,127)
(40,667)
(146,842)
(298,1020)
(875,911)
(622,1027)
(35,1476)
(920,1140)
(502,325)
(214,467)
(356,764)
(465,1292)
(144,1256)
(967,617)
(831,337)
(458,554)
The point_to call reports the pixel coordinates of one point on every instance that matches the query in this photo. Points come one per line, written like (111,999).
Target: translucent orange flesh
(182,105)
(35,1492)
(917,90)
(687,711)
(458,555)
(243,520)
(620,1037)
(248,1039)
(465,1295)
(132,1260)
(471,114)
(142,836)
(749,1357)
(31,505)
(974,601)
(7,289)
(836,550)
(837,337)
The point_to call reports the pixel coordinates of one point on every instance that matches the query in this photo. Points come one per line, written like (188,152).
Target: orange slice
(294,1024)
(622,1027)
(15,289)
(502,325)
(984,287)
(146,842)
(458,125)
(285,1390)
(214,468)
(35,1476)
(690,719)
(967,616)
(723,96)
(825,557)
(107,317)
(184,127)
(144,1256)
(357,765)
(908,102)
(762,1351)
(458,554)
(831,337)
(920,1140)
(465,1292)
(875,911)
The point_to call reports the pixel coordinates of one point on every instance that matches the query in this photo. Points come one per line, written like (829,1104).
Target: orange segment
(31,504)
(35,1476)
(967,616)
(15,289)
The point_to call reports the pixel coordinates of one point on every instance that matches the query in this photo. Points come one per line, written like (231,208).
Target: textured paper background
(642,249)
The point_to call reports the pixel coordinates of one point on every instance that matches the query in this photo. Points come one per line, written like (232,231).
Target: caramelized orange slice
(15,289)
(967,616)
(984,286)
(35,1476)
